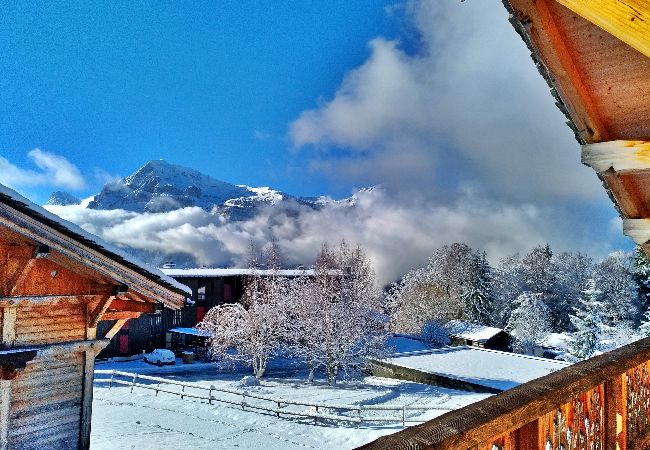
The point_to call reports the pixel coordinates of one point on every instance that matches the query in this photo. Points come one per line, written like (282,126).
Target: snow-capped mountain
(60,198)
(159,186)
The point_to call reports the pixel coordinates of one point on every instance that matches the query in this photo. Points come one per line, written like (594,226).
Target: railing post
(527,437)
(615,413)
(210,395)
(135,375)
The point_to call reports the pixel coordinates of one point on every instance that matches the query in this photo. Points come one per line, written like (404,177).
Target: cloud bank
(396,235)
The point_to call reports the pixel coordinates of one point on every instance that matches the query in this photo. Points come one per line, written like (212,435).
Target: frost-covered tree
(340,315)
(588,323)
(529,322)
(644,328)
(508,284)
(572,270)
(434,334)
(253,330)
(615,278)
(455,284)
(415,300)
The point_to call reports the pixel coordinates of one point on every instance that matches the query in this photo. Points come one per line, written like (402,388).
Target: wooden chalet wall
(54,290)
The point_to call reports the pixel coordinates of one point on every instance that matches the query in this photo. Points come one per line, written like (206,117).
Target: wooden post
(87,399)
(526,437)
(615,413)
(5,409)
(8,326)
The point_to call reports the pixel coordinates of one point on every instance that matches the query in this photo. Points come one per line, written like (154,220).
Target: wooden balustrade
(599,404)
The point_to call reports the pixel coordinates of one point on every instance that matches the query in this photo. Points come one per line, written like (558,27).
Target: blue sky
(438,101)
(212,85)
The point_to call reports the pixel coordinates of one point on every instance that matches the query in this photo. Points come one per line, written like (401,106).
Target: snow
(215,272)
(491,368)
(142,420)
(471,331)
(560,341)
(191,331)
(75,229)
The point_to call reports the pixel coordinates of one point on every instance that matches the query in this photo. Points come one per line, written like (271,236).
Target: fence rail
(281,407)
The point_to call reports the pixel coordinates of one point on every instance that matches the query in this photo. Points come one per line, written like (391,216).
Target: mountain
(60,198)
(159,186)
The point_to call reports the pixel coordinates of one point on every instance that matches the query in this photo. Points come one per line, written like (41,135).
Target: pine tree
(642,277)
(479,296)
(587,322)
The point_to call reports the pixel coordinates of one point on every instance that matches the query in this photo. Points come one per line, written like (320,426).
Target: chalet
(209,286)
(595,56)
(475,335)
(57,283)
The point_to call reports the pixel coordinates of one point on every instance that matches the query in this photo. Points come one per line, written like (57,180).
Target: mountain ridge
(160,186)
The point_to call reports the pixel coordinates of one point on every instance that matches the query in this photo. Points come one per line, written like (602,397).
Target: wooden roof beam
(627,20)
(617,155)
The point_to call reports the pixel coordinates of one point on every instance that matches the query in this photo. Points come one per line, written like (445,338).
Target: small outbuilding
(475,335)
(57,282)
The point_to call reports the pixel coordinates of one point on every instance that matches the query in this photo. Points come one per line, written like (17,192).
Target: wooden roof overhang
(595,56)
(44,261)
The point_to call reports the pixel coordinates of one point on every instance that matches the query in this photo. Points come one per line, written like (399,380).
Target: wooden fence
(356,414)
(599,404)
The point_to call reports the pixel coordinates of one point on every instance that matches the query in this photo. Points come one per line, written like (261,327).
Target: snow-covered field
(142,420)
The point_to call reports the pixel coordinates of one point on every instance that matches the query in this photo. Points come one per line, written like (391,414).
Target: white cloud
(468,106)
(54,170)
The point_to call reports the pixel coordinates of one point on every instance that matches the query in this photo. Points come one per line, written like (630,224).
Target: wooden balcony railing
(599,404)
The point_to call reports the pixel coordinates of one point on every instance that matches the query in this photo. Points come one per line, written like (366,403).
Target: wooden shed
(595,56)
(466,333)
(56,283)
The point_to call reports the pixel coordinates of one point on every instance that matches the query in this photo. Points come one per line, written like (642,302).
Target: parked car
(159,357)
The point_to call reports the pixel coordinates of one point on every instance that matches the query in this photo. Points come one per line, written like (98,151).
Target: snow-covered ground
(142,420)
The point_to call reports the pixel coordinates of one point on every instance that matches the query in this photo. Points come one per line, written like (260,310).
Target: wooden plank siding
(46,403)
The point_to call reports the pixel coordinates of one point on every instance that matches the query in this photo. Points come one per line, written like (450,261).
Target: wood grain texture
(627,20)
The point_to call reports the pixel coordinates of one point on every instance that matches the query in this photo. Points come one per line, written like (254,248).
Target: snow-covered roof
(492,368)
(210,272)
(40,214)
(471,331)
(560,341)
(191,331)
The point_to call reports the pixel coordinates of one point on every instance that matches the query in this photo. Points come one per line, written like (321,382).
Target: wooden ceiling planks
(616,75)
(603,86)
(627,20)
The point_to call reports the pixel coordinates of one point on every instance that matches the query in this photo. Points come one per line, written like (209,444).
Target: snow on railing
(279,406)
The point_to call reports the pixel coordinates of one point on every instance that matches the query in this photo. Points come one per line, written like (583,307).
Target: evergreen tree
(642,277)
(479,296)
(588,323)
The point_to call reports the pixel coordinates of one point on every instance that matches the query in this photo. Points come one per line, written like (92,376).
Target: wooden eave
(72,251)
(602,84)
